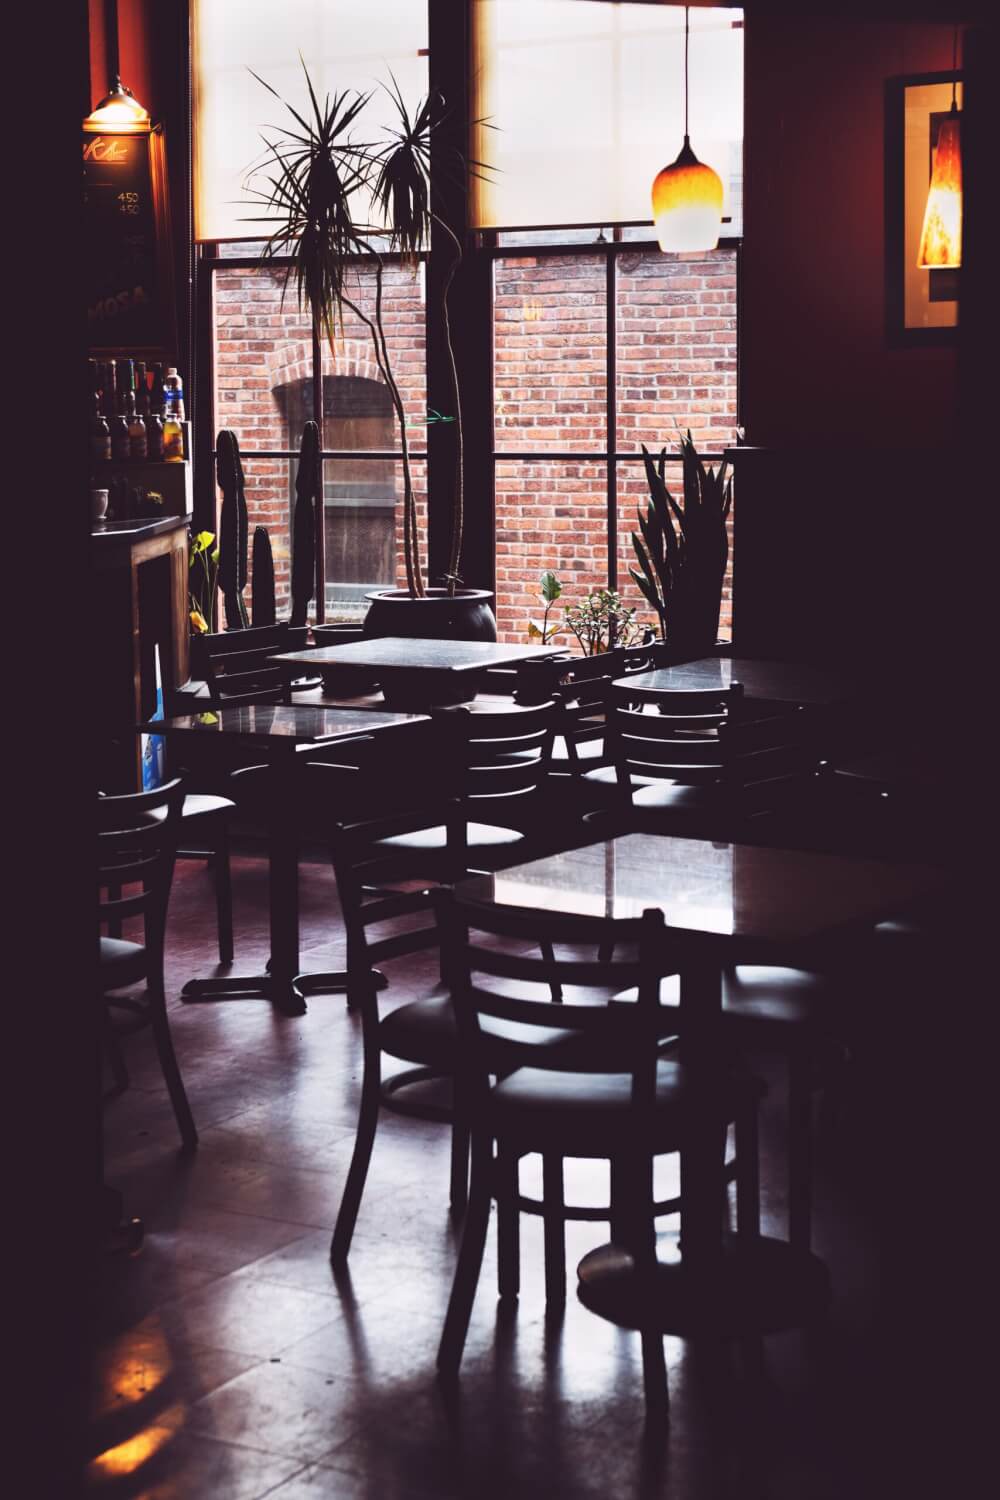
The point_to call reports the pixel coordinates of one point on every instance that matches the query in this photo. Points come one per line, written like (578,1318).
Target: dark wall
(815,364)
(854,526)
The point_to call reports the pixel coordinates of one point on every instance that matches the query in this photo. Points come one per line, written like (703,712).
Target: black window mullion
(611,377)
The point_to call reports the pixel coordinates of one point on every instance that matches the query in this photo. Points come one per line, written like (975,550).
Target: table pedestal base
(286,995)
(754,1286)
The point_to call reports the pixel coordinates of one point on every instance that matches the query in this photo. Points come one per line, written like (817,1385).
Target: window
(577,391)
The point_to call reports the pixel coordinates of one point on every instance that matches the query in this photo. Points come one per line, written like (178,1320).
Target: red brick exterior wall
(676,336)
(262,345)
(676,356)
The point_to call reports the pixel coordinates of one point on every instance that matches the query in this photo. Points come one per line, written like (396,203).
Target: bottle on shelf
(120,445)
(154,436)
(156,389)
(141,389)
(136,429)
(173,394)
(173,440)
(124,382)
(100,433)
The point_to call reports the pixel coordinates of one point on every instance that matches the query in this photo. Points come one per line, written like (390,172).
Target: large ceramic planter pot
(463,616)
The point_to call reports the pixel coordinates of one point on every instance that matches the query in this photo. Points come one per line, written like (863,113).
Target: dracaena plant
(682,548)
(316,176)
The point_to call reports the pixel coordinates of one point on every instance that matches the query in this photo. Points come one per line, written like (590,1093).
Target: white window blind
(586,104)
(345,44)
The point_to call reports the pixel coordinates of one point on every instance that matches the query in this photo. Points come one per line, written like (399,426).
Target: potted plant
(319,172)
(682,550)
(600,621)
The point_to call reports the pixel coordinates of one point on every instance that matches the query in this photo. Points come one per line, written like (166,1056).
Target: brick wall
(676,337)
(262,345)
(676,357)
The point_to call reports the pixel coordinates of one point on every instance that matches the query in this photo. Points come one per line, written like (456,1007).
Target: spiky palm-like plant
(682,550)
(316,172)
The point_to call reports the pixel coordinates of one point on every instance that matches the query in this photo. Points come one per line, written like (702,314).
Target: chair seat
(435,840)
(425,1031)
(672,796)
(197,805)
(591,1114)
(121,963)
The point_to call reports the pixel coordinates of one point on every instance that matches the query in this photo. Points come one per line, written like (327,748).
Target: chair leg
(358,1171)
(799,1154)
(554,1224)
(458,1194)
(654,1376)
(508,1222)
(470,1259)
(747,1173)
(171,1071)
(224,892)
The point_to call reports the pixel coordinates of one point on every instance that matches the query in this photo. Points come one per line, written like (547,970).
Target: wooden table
(782,682)
(724,904)
(283,734)
(413,673)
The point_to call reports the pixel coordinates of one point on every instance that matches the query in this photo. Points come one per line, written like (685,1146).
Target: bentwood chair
(389,844)
(604,1091)
(238,671)
(136,844)
(500,759)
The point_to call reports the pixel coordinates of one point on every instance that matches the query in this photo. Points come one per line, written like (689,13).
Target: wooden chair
(602,1090)
(389,842)
(136,843)
(500,759)
(237,669)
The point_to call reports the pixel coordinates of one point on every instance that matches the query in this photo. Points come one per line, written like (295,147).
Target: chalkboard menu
(128,279)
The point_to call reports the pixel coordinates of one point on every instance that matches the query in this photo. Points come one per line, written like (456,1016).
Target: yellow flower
(198,622)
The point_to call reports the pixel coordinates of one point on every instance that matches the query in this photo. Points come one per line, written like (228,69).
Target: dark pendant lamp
(119,112)
(687,195)
(941,234)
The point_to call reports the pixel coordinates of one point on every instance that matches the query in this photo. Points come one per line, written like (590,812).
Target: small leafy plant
(602,619)
(203,570)
(551,592)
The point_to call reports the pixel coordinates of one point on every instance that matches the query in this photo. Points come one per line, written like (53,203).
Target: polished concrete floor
(229,1364)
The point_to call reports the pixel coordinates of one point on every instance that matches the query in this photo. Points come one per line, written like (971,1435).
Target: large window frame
(471,315)
(613,250)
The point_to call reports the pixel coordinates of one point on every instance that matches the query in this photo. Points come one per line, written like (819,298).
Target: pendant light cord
(954,66)
(687,12)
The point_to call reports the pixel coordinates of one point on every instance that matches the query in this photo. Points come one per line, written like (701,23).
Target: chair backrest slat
(136,845)
(620,1037)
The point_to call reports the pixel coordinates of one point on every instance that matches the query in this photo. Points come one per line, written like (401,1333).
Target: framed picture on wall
(921,304)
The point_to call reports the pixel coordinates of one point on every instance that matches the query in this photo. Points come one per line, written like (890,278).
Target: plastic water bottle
(173,395)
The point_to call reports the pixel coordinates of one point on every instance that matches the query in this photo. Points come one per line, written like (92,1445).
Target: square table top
(263,723)
(405,653)
(775,900)
(764,681)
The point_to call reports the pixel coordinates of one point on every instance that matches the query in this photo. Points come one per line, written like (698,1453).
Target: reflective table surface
(733,895)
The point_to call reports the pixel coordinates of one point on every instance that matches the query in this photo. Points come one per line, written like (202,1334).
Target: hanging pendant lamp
(941,235)
(687,195)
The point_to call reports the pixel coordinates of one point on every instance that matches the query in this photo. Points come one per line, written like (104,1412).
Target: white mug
(98,504)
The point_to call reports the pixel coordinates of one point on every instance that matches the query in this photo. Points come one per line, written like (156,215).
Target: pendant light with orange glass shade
(941,234)
(687,195)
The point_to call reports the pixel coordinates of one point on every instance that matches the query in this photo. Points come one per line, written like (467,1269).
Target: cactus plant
(262,611)
(682,549)
(308,482)
(233,528)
